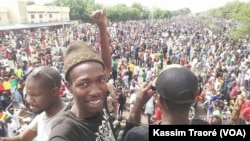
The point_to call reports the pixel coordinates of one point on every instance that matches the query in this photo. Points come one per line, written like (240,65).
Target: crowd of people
(78,81)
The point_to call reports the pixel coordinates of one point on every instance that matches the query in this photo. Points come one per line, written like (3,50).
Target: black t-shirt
(130,74)
(68,127)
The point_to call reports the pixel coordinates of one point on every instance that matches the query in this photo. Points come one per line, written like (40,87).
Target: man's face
(39,98)
(89,87)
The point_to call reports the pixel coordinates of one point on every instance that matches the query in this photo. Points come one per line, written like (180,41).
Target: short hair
(47,76)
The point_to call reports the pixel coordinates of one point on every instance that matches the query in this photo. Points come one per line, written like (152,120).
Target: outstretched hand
(99,17)
(145,93)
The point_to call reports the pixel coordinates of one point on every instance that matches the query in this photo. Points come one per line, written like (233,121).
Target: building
(15,14)
(40,14)
(4,15)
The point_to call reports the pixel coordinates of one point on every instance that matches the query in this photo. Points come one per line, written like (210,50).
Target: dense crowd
(140,50)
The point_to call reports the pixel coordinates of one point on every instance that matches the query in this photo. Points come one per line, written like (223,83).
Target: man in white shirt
(132,99)
(42,88)
(149,74)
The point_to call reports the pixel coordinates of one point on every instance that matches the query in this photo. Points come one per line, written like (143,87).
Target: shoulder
(137,133)
(199,122)
(62,126)
(64,120)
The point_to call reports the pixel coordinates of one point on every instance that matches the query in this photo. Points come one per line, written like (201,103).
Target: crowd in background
(140,50)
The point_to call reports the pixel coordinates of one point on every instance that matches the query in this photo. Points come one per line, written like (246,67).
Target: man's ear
(55,91)
(157,100)
(162,104)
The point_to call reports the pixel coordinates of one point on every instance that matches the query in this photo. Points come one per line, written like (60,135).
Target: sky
(194,5)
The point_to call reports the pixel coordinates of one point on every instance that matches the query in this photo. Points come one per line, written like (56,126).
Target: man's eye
(84,84)
(33,95)
(103,80)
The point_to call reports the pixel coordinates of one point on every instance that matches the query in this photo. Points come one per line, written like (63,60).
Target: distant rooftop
(34,25)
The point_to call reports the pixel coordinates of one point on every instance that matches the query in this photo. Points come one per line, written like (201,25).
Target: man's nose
(29,99)
(95,90)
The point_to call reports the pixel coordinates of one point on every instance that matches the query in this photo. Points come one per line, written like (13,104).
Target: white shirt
(149,74)
(132,100)
(43,126)
(149,108)
(12,128)
(247,75)
(137,70)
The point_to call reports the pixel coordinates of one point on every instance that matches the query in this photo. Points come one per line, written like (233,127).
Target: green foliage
(227,11)
(121,12)
(161,14)
(48,4)
(30,2)
(79,9)
(239,11)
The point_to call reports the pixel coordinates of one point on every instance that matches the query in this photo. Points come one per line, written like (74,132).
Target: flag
(6,85)
(3,115)
(13,83)
(9,85)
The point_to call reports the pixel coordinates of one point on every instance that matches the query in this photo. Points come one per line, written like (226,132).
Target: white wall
(13,10)
(48,13)
(4,15)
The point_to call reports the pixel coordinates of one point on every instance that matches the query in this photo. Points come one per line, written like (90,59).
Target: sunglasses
(37,72)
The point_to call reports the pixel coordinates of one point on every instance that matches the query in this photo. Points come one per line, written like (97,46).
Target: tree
(79,9)
(30,2)
(243,16)
(238,11)
(119,12)
(122,12)
(48,4)
(144,12)
(161,14)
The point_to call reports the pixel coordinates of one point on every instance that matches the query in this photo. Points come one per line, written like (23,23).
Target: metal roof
(33,25)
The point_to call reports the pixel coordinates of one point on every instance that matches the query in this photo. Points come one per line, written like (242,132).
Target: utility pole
(61,14)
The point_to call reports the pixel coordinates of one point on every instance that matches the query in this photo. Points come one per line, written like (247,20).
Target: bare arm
(99,17)
(141,98)
(135,115)
(26,135)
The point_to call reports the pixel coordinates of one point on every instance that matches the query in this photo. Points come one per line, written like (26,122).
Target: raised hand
(99,17)
(145,92)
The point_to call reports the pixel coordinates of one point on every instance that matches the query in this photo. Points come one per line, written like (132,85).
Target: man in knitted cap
(86,75)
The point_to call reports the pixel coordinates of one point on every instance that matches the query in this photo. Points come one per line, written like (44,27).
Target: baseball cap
(177,84)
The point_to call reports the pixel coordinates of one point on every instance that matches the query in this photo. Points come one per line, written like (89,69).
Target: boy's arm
(99,17)
(26,135)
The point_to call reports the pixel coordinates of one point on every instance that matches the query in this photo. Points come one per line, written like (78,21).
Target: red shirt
(62,89)
(27,50)
(158,114)
(233,93)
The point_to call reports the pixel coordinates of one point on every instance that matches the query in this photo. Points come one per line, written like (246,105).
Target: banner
(9,85)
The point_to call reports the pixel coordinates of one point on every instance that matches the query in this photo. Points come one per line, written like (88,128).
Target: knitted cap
(79,52)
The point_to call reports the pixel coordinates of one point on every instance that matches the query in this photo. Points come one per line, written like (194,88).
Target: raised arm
(99,17)
(142,97)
